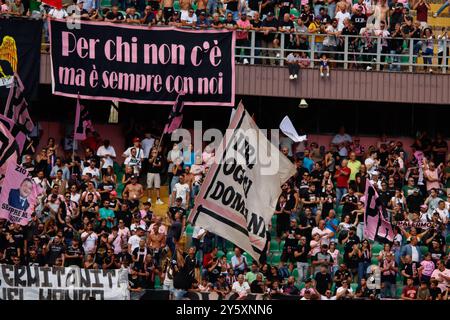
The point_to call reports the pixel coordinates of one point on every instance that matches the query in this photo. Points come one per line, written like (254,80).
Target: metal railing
(353,51)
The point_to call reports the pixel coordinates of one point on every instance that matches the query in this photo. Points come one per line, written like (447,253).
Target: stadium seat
(447,240)
(353,286)
(276,256)
(176,5)
(230,246)
(157,283)
(229,255)
(376,248)
(189,230)
(339,210)
(281,245)
(399,291)
(274,246)
(105,3)
(249,257)
(424,249)
(374,260)
(295,274)
(220,253)
(294,12)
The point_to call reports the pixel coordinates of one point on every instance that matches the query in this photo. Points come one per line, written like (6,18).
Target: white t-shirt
(147,145)
(341,17)
(139,152)
(134,242)
(240,289)
(181,190)
(185,17)
(370,162)
(94,172)
(325,231)
(58,13)
(90,242)
(102,151)
(437,275)
(341,138)
(340,289)
(414,254)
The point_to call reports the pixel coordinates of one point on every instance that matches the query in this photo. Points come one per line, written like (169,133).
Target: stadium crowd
(357,25)
(97,212)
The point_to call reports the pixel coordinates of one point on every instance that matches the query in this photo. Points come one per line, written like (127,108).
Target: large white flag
(238,197)
(288,129)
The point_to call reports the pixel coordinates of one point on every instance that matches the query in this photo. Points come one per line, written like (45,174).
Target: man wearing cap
(181,190)
(175,20)
(137,146)
(203,21)
(269,26)
(323,257)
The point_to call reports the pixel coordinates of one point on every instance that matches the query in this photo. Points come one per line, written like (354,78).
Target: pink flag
(376,227)
(8,150)
(82,122)
(19,195)
(176,115)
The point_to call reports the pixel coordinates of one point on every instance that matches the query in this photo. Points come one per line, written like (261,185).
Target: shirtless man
(168,10)
(201,6)
(185,6)
(156,242)
(135,192)
(382,10)
(189,177)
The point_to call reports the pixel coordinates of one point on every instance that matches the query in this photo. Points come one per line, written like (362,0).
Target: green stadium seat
(447,240)
(176,5)
(376,248)
(249,258)
(230,246)
(220,253)
(230,254)
(295,274)
(374,260)
(276,256)
(339,210)
(424,249)
(399,291)
(189,230)
(294,12)
(105,3)
(281,245)
(274,246)
(157,283)
(353,286)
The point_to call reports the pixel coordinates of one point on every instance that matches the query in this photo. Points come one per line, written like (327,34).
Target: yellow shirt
(314,28)
(354,167)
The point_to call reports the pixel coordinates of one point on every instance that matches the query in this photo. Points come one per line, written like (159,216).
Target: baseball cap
(136,139)
(202,13)
(133,177)
(318,17)
(175,12)
(80,1)
(179,199)
(424,206)
(270,14)
(113,193)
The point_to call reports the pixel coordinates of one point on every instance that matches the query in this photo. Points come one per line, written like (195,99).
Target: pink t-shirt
(428,267)
(433,175)
(242,35)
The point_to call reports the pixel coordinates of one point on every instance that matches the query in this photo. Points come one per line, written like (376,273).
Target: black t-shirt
(154,5)
(257,25)
(303,257)
(365,291)
(255,286)
(350,202)
(329,202)
(174,210)
(151,166)
(229,23)
(19,237)
(341,275)
(351,241)
(322,282)
(232,5)
(126,216)
(139,254)
(305,221)
(270,7)
(175,230)
(110,15)
(307,18)
(286,25)
(434,292)
(54,252)
(385,197)
(135,283)
(121,257)
(273,23)
(359,21)
(291,240)
(310,196)
(74,251)
(11,251)
(409,270)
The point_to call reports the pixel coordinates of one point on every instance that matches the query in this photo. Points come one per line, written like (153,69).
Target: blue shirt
(106,213)
(329,223)
(308,164)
